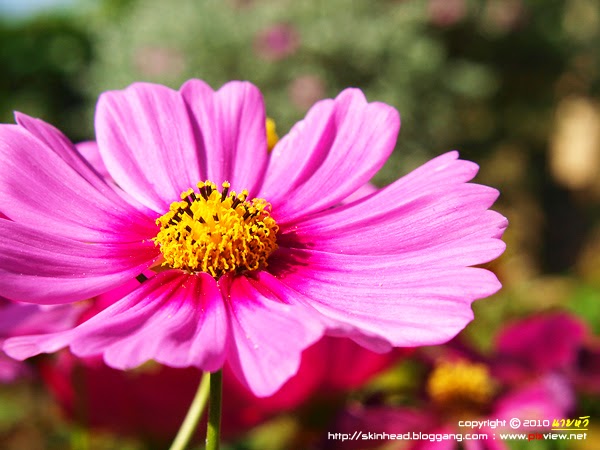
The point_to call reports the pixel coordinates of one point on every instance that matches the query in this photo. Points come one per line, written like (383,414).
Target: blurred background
(514,85)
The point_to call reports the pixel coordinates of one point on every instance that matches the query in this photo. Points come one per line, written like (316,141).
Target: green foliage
(41,63)
(585,303)
(386,48)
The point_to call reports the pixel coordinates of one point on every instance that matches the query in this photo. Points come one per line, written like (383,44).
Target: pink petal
(268,336)
(374,297)
(90,151)
(452,228)
(391,268)
(91,167)
(407,258)
(230,132)
(363,191)
(19,318)
(44,268)
(146,139)
(175,319)
(334,151)
(41,189)
(429,219)
(59,143)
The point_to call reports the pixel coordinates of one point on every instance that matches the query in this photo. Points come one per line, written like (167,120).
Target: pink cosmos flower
(254,254)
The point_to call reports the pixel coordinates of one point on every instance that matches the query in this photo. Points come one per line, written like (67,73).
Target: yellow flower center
(272,136)
(460,386)
(216,232)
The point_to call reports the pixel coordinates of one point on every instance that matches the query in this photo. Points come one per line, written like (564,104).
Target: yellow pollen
(460,385)
(272,136)
(216,232)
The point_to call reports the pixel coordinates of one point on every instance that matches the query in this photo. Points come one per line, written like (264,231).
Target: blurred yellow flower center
(216,232)
(272,136)
(460,385)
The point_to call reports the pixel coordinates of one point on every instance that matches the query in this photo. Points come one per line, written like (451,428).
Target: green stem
(80,439)
(190,422)
(213,431)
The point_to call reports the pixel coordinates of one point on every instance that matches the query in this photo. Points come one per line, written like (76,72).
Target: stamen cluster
(216,232)
(460,385)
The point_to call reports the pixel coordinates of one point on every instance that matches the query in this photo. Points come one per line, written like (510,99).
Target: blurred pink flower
(463,386)
(18,319)
(277,42)
(558,343)
(152,402)
(250,283)
(445,13)
(537,401)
